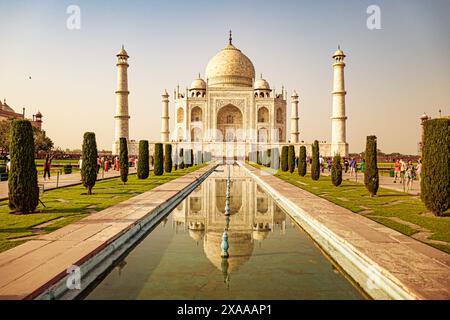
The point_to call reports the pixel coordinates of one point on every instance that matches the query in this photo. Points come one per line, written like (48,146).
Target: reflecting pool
(270,257)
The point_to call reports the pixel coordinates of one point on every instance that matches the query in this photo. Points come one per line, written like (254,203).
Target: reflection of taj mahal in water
(231,112)
(253,216)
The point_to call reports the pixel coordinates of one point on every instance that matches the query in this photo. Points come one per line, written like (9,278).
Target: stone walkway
(418,269)
(28,269)
(64,180)
(385,182)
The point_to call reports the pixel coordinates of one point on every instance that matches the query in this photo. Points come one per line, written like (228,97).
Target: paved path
(28,269)
(64,180)
(421,270)
(385,182)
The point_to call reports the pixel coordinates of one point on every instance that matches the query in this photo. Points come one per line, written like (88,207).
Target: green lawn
(66,205)
(393,209)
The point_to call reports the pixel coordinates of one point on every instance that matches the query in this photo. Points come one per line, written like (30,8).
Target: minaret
(294,117)
(121,117)
(165,117)
(338,135)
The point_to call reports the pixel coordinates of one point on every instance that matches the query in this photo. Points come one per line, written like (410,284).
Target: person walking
(403,166)
(329,165)
(396,170)
(321,164)
(363,165)
(419,170)
(346,165)
(106,165)
(409,175)
(352,166)
(47,166)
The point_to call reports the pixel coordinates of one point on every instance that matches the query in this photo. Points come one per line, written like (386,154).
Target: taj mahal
(232,111)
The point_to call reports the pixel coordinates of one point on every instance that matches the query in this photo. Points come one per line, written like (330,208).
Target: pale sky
(393,75)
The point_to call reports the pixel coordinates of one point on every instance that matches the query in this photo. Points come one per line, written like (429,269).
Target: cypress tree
(175,161)
(89,164)
(302,161)
(143,169)
(336,170)
(371,179)
(284,158)
(123,159)
(315,166)
(291,158)
(159,160)
(22,181)
(181,158)
(435,182)
(168,158)
(192,157)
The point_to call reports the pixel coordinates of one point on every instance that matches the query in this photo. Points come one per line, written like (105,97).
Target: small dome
(424,116)
(198,84)
(338,52)
(261,84)
(122,52)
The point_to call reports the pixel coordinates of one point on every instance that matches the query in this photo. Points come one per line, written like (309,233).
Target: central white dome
(230,67)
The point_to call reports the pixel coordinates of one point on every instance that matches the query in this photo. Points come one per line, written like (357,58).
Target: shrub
(143,169)
(336,170)
(315,165)
(23,184)
(89,164)
(123,159)
(192,157)
(284,158)
(291,158)
(302,161)
(67,169)
(371,179)
(159,160)
(435,182)
(168,158)
(181,158)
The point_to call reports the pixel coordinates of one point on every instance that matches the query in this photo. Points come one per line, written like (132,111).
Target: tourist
(346,165)
(396,170)
(419,170)
(329,165)
(8,166)
(116,167)
(99,164)
(363,165)
(321,164)
(409,175)
(80,163)
(47,166)
(106,165)
(402,170)
(352,166)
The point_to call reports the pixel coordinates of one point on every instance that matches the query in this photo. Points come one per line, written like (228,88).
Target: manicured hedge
(168,158)
(302,161)
(143,169)
(435,182)
(159,160)
(371,179)
(315,166)
(336,170)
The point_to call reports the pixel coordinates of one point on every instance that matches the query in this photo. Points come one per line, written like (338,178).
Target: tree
(371,179)
(315,165)
(302,161)
(5,132)
(192,157)
(291,158)
(89,164)
(435,182)
(284,158)
(42,143)
(123,159)
(168,158)
(336,170)
(143,169)
(22,181)
(159,160)
(181,158)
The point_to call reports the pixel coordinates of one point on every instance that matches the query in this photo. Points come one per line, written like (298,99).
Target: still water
(270,257)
